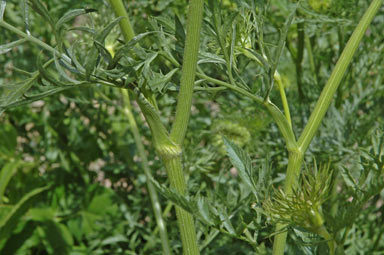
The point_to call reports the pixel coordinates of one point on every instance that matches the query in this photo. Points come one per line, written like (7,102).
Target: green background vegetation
(71,181)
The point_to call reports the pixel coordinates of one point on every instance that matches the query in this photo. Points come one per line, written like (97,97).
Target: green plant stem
(34,40)
(125,23)
(192,42)
(258,99)
(322,231)
(283,98)
(322,105)
(333,82)
(179,127)
(168,147)
(128,34)
(312,65)
(185,219)
(294,164)
(161,226)
(299,57)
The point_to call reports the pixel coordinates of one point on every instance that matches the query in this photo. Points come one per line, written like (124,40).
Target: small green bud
(231,130)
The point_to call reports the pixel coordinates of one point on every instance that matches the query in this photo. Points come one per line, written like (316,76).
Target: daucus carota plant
(224,47)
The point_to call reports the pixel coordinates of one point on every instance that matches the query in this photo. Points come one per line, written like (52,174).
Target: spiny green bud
(302,208)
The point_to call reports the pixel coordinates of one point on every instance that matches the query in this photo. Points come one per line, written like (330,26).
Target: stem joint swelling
(168,151)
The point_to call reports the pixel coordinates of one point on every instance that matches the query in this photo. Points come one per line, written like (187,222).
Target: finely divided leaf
(124,49)
(159,80)
(243,164)
(175,197)
(10,93)
(33,98)
(100,37)
(63,72)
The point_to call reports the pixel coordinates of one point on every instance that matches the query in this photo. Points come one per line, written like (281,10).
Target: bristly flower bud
(302,208)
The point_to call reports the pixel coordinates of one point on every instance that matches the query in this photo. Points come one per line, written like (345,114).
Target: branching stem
(322,105)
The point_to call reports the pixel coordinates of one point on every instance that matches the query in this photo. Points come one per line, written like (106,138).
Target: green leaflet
(10,221)
(243,164)
(6,174)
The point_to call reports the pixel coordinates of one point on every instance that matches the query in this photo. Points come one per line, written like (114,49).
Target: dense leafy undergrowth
(71,179)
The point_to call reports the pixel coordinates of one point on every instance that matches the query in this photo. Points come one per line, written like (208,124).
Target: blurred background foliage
(78,143)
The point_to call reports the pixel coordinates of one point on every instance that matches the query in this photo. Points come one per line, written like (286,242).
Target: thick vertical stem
(184,219)
(192,42)
(169,149)
(179,127)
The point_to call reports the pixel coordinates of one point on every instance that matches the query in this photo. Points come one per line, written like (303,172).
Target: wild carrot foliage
(207,127)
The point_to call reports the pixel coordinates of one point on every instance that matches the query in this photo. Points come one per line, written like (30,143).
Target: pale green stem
(179,127)
(192,42)
(168,147)
(323,232)
(334,80)
(283,96)
(125,23)
(184,219)
(296,157)
(128,34)
(312,65)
